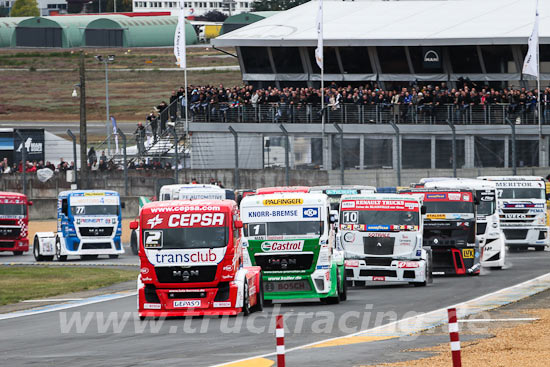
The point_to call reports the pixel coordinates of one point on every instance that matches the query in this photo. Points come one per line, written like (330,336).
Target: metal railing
(368,113)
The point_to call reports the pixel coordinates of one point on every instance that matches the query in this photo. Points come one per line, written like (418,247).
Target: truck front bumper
(525,237)
(399,271)
(15,245)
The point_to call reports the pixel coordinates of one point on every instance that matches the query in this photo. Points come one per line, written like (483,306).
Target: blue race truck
(88,225)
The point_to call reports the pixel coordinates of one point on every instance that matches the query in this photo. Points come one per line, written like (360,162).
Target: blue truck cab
(88,225)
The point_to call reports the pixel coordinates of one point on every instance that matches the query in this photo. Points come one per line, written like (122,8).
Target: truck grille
(95,231)
(10,232)
(4,244)
(378,245)
(284,262)
(377,273)
(379,261)
(181,274)
(8,222)
(481,227)
(515,234)
(96,246)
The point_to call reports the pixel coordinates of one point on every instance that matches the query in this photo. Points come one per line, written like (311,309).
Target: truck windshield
(95,210)
(486,208)
(380,217)
(194,237)
(13,209)
(449,206)
(521,193)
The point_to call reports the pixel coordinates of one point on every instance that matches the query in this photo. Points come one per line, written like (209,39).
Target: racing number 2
(153,239)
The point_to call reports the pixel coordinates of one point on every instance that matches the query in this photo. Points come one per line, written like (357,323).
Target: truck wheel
(134,243)
(36,250)
(540,248)
(113,256)
(336,299)
(259,306)
(246,300)
(344,294)
(142,318)
(268,302)
(58,251)
(18,253)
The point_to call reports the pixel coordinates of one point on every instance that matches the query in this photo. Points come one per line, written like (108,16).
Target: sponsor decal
(222,304)
(146,279)
(453,196)
(310,213)
(322,266)
(228,268)
(378,279)
(151,306)
(437,196)
(187,303)
(525,205)
(408,264)
(385,235)
(272,213)
(282,246)
(371,227)
(341,192)
(144,270)
(153,222)
(349,237)
(418,252)
(196,219)
(468,253)
(195,257)
(436,216)
(190,208)
(268,202)
(351,263)
(347,204)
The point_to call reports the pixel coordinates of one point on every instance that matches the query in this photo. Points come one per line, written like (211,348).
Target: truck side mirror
(134,224)
(29,203)
(423,210)
(123,205)
(238,224)
(333,218)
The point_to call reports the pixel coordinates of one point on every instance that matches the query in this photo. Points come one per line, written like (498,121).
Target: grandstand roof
(393,23)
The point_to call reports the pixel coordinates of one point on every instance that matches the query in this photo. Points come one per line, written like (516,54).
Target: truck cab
(488,230)
(14,222)
(523,211)
(289,235)
(382,238)
(191,260)
(335,193)
(88,225)
(450,230)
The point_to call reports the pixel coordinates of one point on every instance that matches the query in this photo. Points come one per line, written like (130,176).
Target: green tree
(25,8)
(266,5)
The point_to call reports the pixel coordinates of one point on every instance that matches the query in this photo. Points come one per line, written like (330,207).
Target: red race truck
(14,222)
(191,261)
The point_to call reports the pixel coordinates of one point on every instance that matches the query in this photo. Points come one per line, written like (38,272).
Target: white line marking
(65,306)
(53,300)
(501,320)
(434,312)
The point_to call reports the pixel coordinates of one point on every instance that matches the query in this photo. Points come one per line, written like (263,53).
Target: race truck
(191,261)
(450,230)
(490,236)
(14,222)
(281,189)
(335,193)
(184,192)
(522,209)
(88,225)
(290,236)
(382,238)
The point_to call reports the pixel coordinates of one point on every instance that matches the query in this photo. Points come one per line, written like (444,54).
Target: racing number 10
(350,217)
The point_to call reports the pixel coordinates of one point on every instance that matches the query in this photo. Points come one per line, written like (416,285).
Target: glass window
(426,60)
(416,153)
(464,59)
(527,153)
(449,206)
(256,60)
(287,59)
(444,153)
(488,152)
(13,209)
(521,193)
(380,217)
(330,60)
(350,152)
(355,60)
(378,153)
(190,238)
(94,210)
(393,60)
(498,59)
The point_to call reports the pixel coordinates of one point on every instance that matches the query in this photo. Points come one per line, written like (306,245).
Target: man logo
(379,244)
(436,241)
(311,213)
(156,220)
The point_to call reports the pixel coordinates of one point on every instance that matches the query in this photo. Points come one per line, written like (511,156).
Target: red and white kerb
(280,335)
(455,340)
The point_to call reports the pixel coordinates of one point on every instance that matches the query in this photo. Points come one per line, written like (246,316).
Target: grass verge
(21,283)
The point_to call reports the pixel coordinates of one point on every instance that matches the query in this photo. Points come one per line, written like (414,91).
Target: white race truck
(489,233)
(522,209)
(382,238)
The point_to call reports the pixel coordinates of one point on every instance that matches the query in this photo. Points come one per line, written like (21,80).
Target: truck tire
(540,248)
(18,253)
(259,306)
(134,243)
(115,256)
(344,294)
(336,299)
(58,251)
(246,300)
(36,252)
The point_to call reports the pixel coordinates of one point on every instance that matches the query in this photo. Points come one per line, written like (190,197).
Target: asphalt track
(39,339)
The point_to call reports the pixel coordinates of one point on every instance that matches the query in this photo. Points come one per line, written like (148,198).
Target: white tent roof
(391,23)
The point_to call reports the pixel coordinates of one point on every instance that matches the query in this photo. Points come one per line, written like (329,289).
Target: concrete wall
(46,208)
